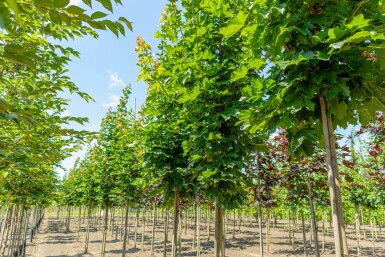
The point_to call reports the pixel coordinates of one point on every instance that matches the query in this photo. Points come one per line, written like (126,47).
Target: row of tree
(34,129)
(229,74)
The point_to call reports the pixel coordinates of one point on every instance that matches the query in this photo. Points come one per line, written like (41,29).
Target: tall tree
(326,70)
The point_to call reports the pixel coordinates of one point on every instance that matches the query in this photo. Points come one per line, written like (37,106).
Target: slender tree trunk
(304,235)
(358,228)
(209,222)
(198,230)
(175,225)
(125,236)
(87,239)
(136,227)
(68,223)
(323,229)
(195,227)
(234,224)
(166,232)
(372,232)
(105,230)
(143,228)
(186,221)
(5,224)
(313,218)
(79,219)
(341,248)
(8,227)
(153,231)
(218,243)
(180,235)
(268,230)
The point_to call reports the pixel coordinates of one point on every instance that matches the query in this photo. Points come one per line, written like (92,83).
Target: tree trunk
(79,219)
(218,243)
(87,239)
(68,222)
(175,225)
(304,235)
(313,218)
(372,231)
(198,230)
(195,227)
(153,231)
(105,229)
(341,248)
(166,232)
(136,227)
(358,228)
(209,222)
(143,228)
(125,230)
(180,234)
(268,230)
(323,229)
(5,224)
(234,224)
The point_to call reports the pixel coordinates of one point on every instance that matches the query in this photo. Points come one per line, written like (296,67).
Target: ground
(52,240)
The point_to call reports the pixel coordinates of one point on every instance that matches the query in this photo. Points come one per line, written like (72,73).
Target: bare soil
(52,240)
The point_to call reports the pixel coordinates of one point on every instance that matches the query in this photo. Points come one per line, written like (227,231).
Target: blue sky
(108,63)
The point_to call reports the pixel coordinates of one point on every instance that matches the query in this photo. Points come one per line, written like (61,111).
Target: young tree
(326,70)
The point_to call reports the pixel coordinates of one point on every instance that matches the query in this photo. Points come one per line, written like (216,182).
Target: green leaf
(256,64)
(340,111)
(12,4)
(88,2)
(239,73)
(336,33)
(282,37)
(106,4)
(73,9)
(14,49)
(61,3)
(188,97)
(98,15)
(20,59)
(358,22)
(126,22)
(234,26)
(208,173)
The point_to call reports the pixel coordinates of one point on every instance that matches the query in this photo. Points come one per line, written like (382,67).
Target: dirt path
(53,241)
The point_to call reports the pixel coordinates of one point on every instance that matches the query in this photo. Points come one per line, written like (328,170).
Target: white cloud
(66,113)
(75,2)
(114,101)
(115,81)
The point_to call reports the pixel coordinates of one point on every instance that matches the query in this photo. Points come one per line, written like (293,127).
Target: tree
(326,70)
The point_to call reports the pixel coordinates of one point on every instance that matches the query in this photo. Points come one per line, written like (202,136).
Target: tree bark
(175,225)
(198,230)
(341,248)
(125,230)
(136,227)
(218,243)
(105,230)
(143,228)
(358,228)
(166,232)
(153,230)
(304,235)
(87,239)
(313,218)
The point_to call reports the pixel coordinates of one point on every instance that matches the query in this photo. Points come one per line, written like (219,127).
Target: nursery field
(53,240)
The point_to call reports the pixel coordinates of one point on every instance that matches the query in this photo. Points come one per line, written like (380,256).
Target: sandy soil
(53,241)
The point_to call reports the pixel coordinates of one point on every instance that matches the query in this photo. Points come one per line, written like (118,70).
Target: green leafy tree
(326,66)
